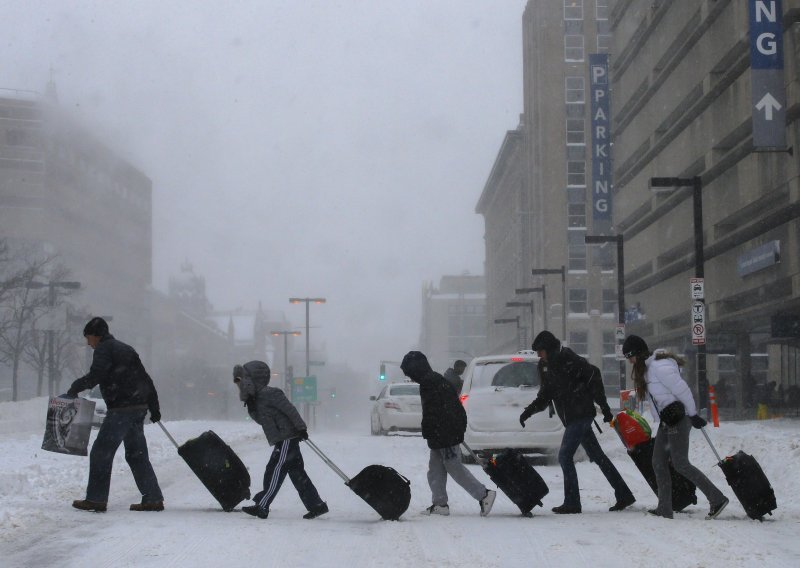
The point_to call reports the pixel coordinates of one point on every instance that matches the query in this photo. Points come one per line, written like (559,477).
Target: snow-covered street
(38,527)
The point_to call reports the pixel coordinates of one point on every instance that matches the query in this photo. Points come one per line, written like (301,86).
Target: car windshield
(405,390)
(503,374)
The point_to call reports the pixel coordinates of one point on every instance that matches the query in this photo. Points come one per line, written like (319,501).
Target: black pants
(121,427)
(287,459)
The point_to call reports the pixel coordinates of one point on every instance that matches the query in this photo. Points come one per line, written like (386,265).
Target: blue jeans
(580,434)
(121,427)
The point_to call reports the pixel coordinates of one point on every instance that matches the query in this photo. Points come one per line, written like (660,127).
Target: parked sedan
(397,407)
(497,388)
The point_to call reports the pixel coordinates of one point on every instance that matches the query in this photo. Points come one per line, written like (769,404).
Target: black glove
(697,421)
(303,435)
(524,416)
(607,416)
(155,415)
(68,395)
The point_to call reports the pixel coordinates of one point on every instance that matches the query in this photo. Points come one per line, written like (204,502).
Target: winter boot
(154,506)
(85,505)
(623,503)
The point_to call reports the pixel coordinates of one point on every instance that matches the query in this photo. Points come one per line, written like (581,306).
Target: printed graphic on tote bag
(69,423)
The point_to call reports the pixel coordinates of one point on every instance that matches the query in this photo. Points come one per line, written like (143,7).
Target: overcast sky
(330,148)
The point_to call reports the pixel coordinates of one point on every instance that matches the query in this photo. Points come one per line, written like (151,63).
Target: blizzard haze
(315,148)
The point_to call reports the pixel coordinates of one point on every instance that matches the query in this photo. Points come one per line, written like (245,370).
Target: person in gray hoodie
(284,429)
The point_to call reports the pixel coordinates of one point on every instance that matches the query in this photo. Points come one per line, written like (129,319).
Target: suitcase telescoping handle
(171,439)
(327,460)
(719,459)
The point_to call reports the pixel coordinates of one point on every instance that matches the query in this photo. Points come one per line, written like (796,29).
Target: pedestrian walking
(574,386)
(129,393)
(657,376)
(453,375)
(444,422)
(284,429)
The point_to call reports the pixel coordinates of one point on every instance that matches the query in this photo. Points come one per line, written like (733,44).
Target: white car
(99,412)
(497,388)
(397,407)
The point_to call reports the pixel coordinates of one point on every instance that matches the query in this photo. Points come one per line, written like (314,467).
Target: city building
(453,320)
(688,78)
(64,191)
(536,203)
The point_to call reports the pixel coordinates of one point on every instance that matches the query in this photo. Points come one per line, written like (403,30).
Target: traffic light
(333,393)
(382,376)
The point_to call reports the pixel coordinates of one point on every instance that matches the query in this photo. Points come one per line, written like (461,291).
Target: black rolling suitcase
(748,482)
(515,477)
(217,466)
(382,488)
(683,490)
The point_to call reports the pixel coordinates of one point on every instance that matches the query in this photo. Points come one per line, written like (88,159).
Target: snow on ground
(38,527)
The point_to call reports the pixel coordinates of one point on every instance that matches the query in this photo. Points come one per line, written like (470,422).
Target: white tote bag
(69,423)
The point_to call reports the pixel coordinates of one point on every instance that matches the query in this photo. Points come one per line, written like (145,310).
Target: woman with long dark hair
(657,377)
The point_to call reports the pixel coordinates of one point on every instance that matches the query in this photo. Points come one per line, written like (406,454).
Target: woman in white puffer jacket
(657,377)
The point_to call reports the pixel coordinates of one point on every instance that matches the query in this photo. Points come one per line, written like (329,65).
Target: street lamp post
(286,386)
(543,290)
(602,239)
(563,272)
(307,301)
(515,319)
(523,305)
(696,183)
(51,337)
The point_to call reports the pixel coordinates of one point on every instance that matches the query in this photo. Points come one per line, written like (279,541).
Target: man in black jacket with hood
(574,385)
(129,393)
(444,421)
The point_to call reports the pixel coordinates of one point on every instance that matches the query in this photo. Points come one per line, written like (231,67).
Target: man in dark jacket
(129,393)
(573,385)
(284,429)
(444,422)
(453,375)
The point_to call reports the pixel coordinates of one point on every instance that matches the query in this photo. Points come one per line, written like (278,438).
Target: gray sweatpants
(446,461)
(673,443)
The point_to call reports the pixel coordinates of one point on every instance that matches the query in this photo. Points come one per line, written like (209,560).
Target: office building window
(573,48)
(579,342)
(576,173)
(573,9)
(577,250)
(576,195)
(576,132)
(603,43)
(574,90)
(609,302)
(576,216)
(601,9)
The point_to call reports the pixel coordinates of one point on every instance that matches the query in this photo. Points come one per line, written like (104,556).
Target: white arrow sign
(768,103)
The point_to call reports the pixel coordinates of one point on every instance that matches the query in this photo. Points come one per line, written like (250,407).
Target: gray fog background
(296,148)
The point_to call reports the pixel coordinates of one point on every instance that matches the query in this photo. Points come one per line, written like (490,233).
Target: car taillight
(393,405)
(517,359)
(464,398)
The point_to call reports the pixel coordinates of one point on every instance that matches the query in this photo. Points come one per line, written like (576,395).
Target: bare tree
(24,305)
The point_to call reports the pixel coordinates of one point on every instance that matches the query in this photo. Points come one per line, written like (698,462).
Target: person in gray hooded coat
(284,429)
